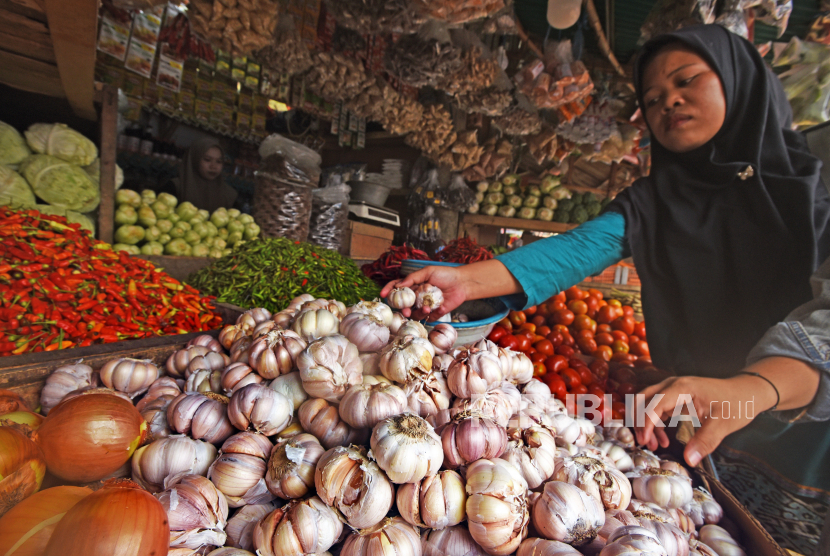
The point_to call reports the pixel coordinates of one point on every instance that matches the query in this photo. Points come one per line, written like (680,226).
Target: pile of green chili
(270,272)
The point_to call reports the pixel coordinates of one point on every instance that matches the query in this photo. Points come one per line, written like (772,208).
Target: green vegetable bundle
(271,272)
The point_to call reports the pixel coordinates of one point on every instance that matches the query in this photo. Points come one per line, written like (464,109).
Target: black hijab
(722,259)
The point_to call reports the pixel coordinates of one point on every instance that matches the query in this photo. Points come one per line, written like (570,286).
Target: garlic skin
(719,540)
(290,386)
(631,540)
(322,419)
(314,324)
(436,502)
(683,521)
(257,407)
(264,328)
(664,488)
(522,372)
(202,416)
(240,528)
(239,351)
(336,308)
(542,547)
(237,375)
(207,341)
(371,364)
(644,458)
(427,295)
(474,372)
(674,467)
(252,317)
(606,483)
(164,386)
(376,307)
(153,464)
(568,430)
(649,508)
(670,536)
(224,551)
(367,332)
(397,321)
(211,360)
(329,366)
(131,376)
(406,448)
(204,380)
(406,357)
(300,527)
(443,336)
(618,432)
(499,404)
(276,352)
(64,380)
(567,514)
(451,541)
(531,450)
(536,393)
(229,334)
(414,328)
(496,507)
(401,298)
(616,453)
(391,537)
(703,508)
(239,471)
(353,484)
(365,405)
(290,472)
(470,437)
(441,364)
(155,413)
(196,512)
(427,394)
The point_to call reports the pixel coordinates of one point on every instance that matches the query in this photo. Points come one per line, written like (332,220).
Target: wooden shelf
(471,220)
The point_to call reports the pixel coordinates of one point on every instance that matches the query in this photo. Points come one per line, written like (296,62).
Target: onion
(87,438)
(21,468)
(121,519)
(10,401)
(26,528)
(24,421)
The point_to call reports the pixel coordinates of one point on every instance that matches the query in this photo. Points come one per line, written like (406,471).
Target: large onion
(21,468)
(121,519)
(87,438)
(26,528)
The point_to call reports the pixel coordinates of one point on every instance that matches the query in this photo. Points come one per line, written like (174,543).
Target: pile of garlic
(325,427)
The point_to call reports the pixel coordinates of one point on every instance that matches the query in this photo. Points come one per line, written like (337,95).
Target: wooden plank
(73,25)
(36,50)
(515,223)
(33,9)
(107,152)
(17,25)
(30,75)
(178,267)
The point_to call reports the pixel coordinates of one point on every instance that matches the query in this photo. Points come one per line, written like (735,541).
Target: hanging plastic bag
(290,159)
(329,216)
(459,197)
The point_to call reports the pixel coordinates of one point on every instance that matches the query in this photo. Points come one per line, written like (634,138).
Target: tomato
(625,358)
(577,306)
(583,334)
(566,351)
(538,357)
(593,305)
(624,324)
(539,370)
(619,407)
(605,315)
(560,297)
(543,311)
(587,345)
(568,340)
(529,351)
(509,341)
(575,362)
(518,318)
(619,335)
(570,377)
(574,292)
(585,375)
(563,316)
(620,347)
(604,328)
(544,347)
(622,374)
(640,330)
(555,338)
(497,333)
(556,385)
(506,324)
(643,361)
(561,328)
(584,322)
(595,390)
(528,326)
(523,343)
(579,389)
(556,306)
(538,320)
(556,363)
(628,311)
(604,338)
(593,292)
(639,348)
(599,368)
(627,388)
(615,303)
(530,311)
(543,330)
(603,353)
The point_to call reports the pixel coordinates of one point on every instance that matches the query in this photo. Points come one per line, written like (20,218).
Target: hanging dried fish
(288,52)
(241,28)
(475,74)
(336,77)
(463,153)
(422,62)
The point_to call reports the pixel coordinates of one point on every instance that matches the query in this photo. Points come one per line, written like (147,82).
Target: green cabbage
(532,201)
(63,142)
(60,184)
(14,190)
(549,183)
(527,213)
(495,187)
(550,202)
(129,234)
(510,179)
(515,201)
(128,197)
(94,171)
(71,216)
(152,248)
(13,148)
(474,208)
(544,213)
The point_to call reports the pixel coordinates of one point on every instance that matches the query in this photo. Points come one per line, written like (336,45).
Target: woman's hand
(448,279)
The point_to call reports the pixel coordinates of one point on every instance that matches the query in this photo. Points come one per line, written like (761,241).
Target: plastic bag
(459,197)
(329,216)
(299,160)
(669,15)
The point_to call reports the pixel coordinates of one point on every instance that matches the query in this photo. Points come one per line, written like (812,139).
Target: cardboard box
(364,241)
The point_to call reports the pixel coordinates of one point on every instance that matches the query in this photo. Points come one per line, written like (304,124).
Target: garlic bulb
(451,541)
(438,420)
(671,538)
(154,463)
(301,527)
(391,537)
(496,508)
(367,332)
(441,364)
(568,514)
(470,437)
(240,528)
(230,333)
(290,472)
(396,322)
(352,483)
(371,364)
(536,393)
(530,416)
(276,353)
(436,502)
(202,416)
(607,484)
(207,341)
(237,375)
(377,308)
(644,458)
(252,317)
(313,324)
(239,471)
(204,380)
(300,299)
(618,432)
(443,336)
(568,430)
(290,386)
(366,404)
(614,519)
(427,295)
(664,488)
(407,448)
(531,450)
(211,360)
(329,366)
(704,509)
(401,298)
(264,328)
(406,357)
(541,547)
(414,328)
(336,308)
(474,372)
(674,467)
(617,454)
(522,369)
(224,551)
(239,351)
(196,512)
(719,540)
(697,548)
(649,508)
(155,413)
(257,407)
(683,521)
(63,380)
(284,319)
(320,418)
(631,540)
(131,376)
(164,386)
(427,394)
(499,404)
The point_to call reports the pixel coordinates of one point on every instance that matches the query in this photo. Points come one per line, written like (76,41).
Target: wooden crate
(178,267)
(364,241)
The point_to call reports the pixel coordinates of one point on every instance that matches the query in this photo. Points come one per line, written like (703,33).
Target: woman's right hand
(448,279)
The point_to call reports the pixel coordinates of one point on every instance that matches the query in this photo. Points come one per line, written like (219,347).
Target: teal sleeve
(551,265)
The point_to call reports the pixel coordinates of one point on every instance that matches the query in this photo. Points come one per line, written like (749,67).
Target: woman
(200,177)
(725,233)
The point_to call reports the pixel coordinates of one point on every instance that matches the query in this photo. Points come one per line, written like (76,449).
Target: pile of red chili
(463,250)
(60,288)
(388,266)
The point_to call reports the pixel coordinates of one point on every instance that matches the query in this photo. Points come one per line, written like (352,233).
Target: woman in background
(200,177)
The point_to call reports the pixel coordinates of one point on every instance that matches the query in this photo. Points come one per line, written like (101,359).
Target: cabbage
(510,179)
(510,190)
(479,197)
(152,234)
(200,250)
(128,197)
(131,249)
(544,213)
(168,199)
(129,234)
(507,211)
(532,201)
(548,184)
(146,216)
(13,148)
(201,229)
(164,225)
(494,198)
(60,184)
(71,216)
(63,142)
(550,202)
(473,209)
(527,213)
(560,192)
(152,248)
(515,201)
(125,214)
(178,247)
(495,187)
(251,231)
(14,190)
(220,218)
(187,211)
(212,229)
(489,209)
(177,232)
(174,218)
(94,171)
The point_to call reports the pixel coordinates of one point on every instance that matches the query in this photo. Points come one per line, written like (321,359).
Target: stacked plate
(393,170)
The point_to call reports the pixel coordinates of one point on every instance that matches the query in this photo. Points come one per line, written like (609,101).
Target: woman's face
(684,101)
(210,167)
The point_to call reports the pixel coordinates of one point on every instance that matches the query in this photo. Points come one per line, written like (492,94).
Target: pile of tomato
(580,343)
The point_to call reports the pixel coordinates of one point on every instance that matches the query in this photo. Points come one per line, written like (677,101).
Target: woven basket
(282,208)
